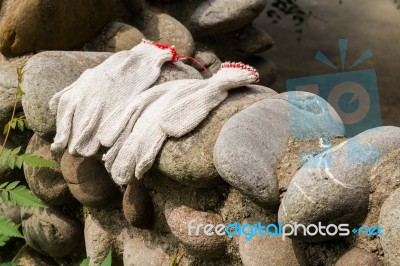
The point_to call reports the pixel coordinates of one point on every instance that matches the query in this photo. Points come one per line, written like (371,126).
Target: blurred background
(365,23)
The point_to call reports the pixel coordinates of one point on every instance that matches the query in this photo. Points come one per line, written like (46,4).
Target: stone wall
(243,163)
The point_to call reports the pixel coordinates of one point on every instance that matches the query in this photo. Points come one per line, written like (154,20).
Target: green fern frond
(8,228)
(12,159)
(19,195)
(37,161)
(3,240)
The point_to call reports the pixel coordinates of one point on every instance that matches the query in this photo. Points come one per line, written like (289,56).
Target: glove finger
(88,143)
(65,115)
(148,154)
(114,124)
(109,157)
(54,102)
(123,168)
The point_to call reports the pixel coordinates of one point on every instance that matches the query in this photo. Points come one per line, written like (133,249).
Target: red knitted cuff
(252,70)
(174,54)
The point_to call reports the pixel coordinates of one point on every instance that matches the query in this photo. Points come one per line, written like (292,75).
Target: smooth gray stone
(46,74)
(51,232)
(212,16)
(252,142)
(332,187)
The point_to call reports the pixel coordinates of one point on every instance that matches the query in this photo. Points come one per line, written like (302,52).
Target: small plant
(176,259)
(14,192)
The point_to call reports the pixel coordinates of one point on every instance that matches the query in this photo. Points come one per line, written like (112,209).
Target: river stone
(8,86)
(11,212)
(98,240)
(49,72)
(384,178)
(165,29)
(50,232)
(89,181)
(47,184)
(209,60)
(251,144)
(137,205)
(48,25)
(27,256)
(359,257)
(267,69)
(243,43)
(332,187)
(136,252)
(266,250)
(389,220)
(202,245)
(121,36)
(189,159)
(46,74)
(212,17)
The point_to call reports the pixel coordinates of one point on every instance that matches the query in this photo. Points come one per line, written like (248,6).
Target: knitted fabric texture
(170,109)
(82,106)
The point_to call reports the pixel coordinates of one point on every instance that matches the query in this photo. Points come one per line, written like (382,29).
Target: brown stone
(32,25)
(137,205)
(266,250)
(89,181)
(121,36)
(165,29)
(202,245)
(359,257)
(47,184)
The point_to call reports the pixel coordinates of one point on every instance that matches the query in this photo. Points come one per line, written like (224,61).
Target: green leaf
(85,262)
(37,161)
(11,162)
(19,92)
(26,124)
(6,153)
(6,128)
(108,260)
(16,150)
(8,228)
(3,240)
(19,162)
(20,125)
(2,161)
(14,123)
(4,185)
(4,198)
(21,196)
(12,185)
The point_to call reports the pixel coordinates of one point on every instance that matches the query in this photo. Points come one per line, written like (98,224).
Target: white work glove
(82,106)
(179,108)
(128,115)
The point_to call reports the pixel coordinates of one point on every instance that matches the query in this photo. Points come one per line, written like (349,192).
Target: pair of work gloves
(115,105)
